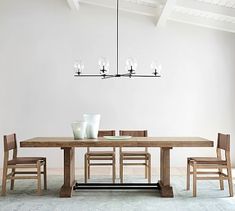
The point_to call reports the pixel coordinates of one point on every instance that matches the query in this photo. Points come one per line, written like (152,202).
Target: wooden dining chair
(218,163)
(92,157)
(16,162)
(142,155)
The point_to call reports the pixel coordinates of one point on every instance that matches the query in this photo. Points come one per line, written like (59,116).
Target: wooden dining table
(68,145)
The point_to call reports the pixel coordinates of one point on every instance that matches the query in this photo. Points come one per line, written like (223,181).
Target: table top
(133,142)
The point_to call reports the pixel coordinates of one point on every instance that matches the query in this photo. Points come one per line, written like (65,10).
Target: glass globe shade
(103,64)
(155,66)
(131,63)
(78,66)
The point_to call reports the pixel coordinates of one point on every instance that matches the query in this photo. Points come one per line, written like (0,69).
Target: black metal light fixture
(131,64)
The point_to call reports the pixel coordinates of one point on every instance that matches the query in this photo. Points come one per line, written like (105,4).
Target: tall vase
(79,129)
(93,123)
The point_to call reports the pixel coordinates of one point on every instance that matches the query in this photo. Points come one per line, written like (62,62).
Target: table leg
(69,172)
(164,183)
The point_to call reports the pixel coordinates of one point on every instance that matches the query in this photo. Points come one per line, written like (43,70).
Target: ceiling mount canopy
(131,64)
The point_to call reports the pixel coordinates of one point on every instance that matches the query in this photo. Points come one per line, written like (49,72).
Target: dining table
(68,145)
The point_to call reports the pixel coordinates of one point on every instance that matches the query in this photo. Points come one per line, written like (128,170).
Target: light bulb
(156,67)
(78,67)
(131,64)
(103,65)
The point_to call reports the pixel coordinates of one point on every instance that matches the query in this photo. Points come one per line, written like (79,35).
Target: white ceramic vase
(79,129)
(93,123)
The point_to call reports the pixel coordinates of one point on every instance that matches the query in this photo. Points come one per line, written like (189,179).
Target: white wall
(39,41)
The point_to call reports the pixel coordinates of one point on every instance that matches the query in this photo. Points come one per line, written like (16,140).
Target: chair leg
(146,167)
(12,180)
(89,167)
(114,169)
(121,169)
(149,170)
(4,180)
(39,190)
(85,168)
(188,175)
(194,180)
(230,181)
(221,181)
(45,174)
(120,166)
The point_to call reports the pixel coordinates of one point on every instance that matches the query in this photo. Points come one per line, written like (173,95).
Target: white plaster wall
(39,41)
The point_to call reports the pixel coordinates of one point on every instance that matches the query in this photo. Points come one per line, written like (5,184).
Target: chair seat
(25,160)
(207,160)
(135,153)
(100,153)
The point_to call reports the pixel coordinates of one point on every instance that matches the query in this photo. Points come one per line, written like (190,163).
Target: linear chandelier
(131,64)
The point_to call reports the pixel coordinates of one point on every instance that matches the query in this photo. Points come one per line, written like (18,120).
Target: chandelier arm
(109,76)
(125,74)
(116,75)
(89,75)
(146,76)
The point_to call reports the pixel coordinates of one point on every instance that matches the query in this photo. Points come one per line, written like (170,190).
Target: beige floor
(24,197)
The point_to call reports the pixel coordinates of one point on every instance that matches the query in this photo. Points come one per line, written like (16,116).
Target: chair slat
(10,142)
(134,133)
(223,142)
(102,133)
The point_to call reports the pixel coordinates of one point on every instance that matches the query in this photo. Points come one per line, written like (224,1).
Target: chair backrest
(102,133)
(134,133)
(9,142)
(223,142)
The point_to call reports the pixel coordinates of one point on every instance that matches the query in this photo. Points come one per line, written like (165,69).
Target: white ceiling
(216,14)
